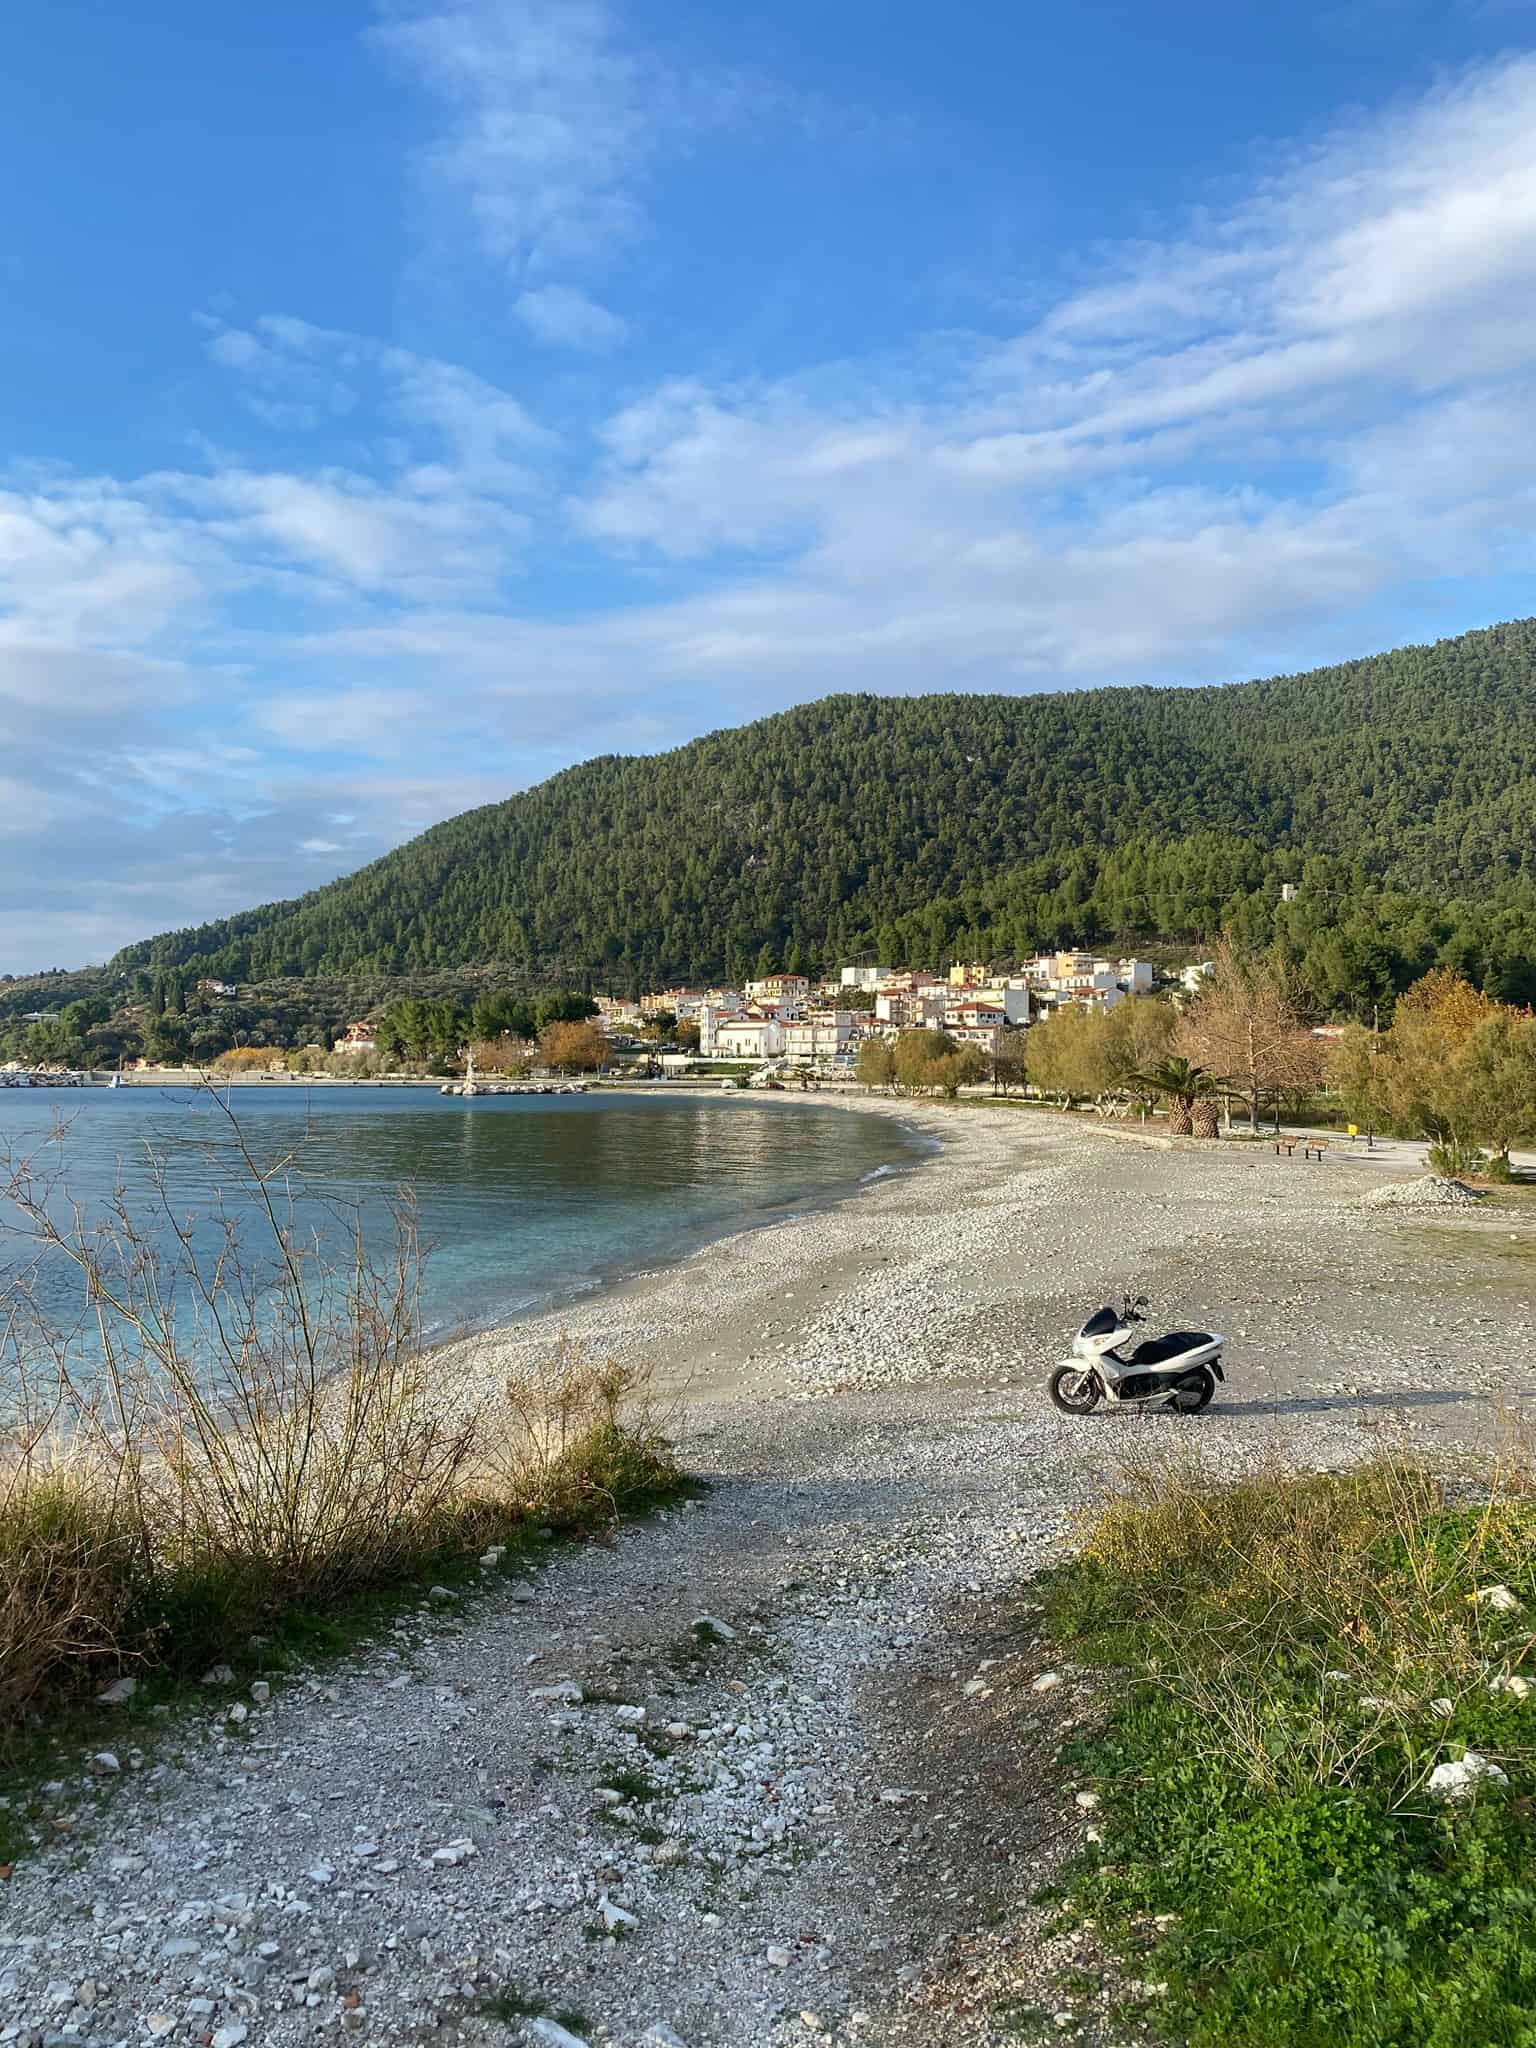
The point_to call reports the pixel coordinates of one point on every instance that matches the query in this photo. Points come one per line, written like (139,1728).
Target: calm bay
(521,1202)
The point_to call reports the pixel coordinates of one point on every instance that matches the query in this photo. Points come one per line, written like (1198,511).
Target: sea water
(519,1202)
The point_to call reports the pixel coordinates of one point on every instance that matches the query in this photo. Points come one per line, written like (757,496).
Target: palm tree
(1188,1089)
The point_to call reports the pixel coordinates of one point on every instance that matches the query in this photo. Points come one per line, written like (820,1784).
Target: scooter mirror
(1141,1301)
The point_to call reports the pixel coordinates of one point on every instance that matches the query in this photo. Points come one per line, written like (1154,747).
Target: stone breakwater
(780,1765)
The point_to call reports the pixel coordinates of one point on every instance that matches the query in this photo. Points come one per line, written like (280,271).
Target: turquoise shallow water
(521,1201)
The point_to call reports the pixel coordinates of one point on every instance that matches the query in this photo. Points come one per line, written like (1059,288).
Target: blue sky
(399,402)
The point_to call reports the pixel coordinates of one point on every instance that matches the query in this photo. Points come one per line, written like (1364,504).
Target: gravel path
(776,1766)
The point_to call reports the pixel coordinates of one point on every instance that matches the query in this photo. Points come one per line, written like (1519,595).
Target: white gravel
(1429,1191)
(764,1770)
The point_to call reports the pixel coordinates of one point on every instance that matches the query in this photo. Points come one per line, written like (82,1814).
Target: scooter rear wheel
(1198,1393)
(1074,1390)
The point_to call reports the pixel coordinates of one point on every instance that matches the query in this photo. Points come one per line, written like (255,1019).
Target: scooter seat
(1158,1350)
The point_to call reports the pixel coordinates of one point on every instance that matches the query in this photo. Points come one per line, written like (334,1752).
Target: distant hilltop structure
(359,1037)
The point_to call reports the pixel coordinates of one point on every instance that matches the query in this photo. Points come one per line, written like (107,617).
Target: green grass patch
(637,1786)
(1289,1658)
(511,2005)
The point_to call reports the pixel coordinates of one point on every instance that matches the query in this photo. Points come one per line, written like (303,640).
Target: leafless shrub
(221,1433)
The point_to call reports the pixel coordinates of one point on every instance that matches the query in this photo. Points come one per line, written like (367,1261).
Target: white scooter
(1181,1368)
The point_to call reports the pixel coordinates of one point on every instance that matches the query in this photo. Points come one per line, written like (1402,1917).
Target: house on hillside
(616,1013)
(780,991)
(910,1009)
(749,1038)
(358,1037)
(979,1024)
(820,1037)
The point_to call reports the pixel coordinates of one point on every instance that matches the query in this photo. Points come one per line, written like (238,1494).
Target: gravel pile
(778,1767)
(1431,1191)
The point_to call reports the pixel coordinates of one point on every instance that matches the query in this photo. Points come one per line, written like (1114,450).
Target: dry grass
(570,1431)
(221,1438)
(66,1574)
(1359,1584)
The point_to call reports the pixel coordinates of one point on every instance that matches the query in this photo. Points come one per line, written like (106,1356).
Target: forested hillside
(918,825)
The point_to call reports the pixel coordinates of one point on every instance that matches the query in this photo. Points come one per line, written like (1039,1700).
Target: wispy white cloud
(415,543)
(552,121)
(563,317)
(546,125)
(1389,277)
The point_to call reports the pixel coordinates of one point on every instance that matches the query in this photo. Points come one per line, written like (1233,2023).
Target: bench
(1311,1148)
(1285,1145)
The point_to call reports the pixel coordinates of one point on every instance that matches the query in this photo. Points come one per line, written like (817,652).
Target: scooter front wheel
(1074,1391)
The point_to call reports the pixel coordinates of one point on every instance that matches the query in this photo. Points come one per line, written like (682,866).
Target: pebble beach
(778,1764)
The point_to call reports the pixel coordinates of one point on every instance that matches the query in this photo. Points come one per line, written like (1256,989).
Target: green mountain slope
(871,823)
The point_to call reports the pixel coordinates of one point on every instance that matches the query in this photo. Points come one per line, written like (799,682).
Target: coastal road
(780,1765)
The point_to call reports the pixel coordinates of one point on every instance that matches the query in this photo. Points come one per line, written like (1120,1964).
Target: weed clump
(1294,1655)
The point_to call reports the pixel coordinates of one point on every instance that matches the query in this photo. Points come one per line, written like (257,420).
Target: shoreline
(624,1277)
(921,1126)
(586,1317)
(856,1293)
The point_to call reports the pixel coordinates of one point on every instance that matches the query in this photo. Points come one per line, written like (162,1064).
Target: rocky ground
(778,1765)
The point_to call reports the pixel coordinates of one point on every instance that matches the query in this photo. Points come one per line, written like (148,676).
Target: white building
(1052,969)
(911,1009)
(1096,976)
(1193,977)
(820,1037)
(1048,1000)
(1011,997)
(749,1038)
(864,977)
(1085,973)
(976,1023)
(780,991)
(711,1016)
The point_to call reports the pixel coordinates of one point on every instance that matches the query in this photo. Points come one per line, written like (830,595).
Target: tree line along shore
(1444,1060)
